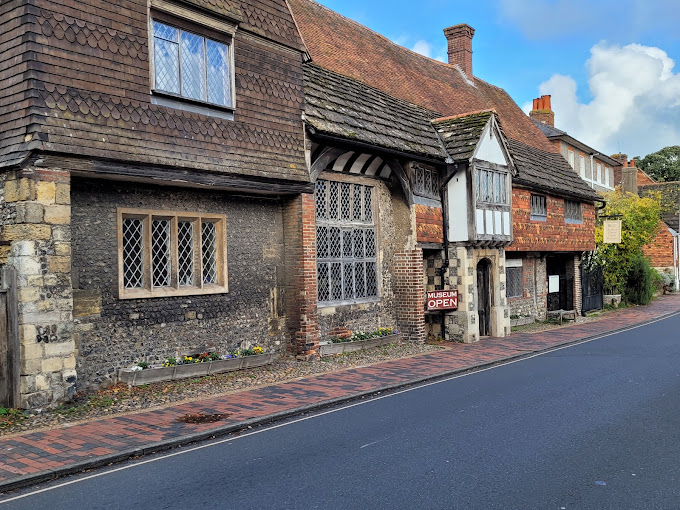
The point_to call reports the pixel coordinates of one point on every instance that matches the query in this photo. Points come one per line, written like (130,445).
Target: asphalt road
(594,426)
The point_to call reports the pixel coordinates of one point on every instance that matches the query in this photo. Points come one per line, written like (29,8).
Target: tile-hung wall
(598,174)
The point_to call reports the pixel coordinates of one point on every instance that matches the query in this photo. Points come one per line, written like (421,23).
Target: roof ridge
(354,22)
(452,117)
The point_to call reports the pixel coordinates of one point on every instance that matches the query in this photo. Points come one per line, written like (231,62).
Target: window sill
(163,292)
(192,106)
(538,218)
(573,222)
(337,304)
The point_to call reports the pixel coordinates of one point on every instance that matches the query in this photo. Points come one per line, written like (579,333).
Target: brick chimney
(542,111)
(460,47)
(629,175)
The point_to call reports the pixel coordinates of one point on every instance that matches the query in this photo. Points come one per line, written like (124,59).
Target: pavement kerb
(160,446)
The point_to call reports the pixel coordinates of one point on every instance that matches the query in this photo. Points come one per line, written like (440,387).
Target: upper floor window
(571,159)
(582,165)
(491,187)
(605,178)
(426,181)
(572,212)
(598,173)
(538,208)
(346,243)
(191,66)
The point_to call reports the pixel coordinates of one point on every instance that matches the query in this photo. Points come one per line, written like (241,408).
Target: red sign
(442,300)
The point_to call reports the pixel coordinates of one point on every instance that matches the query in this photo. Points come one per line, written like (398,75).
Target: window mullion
(205,69)
(199,251)
(179,63)
(148,256)
(174,258)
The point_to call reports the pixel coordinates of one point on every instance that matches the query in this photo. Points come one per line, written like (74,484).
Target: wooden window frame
(538,216)
(579,208)
(202,25)
(421,190)
(509,269)
(148,290)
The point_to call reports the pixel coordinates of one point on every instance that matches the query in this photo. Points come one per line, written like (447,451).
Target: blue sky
(610,65)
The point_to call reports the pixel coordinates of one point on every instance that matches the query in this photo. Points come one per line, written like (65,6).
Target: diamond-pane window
(491,187)
(185,252)
(191,65)
(514,278)
(162,252)
(209,235)
(133,253)
(346,242)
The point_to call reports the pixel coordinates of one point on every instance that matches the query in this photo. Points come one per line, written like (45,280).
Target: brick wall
(553,234)
(660,251)
(429,224)
(113,333)
(410,294)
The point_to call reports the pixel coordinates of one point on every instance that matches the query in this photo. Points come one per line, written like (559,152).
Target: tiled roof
(548,172)
(343,107)
(547,129)
(461,133)
(348,48)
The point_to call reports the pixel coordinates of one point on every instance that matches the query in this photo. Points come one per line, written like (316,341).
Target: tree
(639,226)
(663,165)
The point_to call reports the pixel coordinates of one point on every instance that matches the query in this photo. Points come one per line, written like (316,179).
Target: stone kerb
(36,235)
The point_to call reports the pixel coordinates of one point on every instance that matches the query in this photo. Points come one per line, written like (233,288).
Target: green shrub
(639,288)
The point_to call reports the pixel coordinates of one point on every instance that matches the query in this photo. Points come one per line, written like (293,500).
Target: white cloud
(635,106)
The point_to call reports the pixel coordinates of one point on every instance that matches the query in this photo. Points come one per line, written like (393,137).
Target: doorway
(484,297)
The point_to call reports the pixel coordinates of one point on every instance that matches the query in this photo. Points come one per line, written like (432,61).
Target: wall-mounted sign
(442,300)
(554,283)
(612,232)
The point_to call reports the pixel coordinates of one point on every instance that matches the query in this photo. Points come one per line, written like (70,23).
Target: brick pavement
(38,456)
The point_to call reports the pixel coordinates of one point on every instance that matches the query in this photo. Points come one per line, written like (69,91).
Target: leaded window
(425,181)
(538,208)
(491,187)
(514,281)
(190,65)
(166,253)
(572,212)
(346,245)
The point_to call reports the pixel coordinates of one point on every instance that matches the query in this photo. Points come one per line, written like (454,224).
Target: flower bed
(195,366)
(358,341)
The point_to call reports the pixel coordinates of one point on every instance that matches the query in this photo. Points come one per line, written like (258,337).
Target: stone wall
(534,298)
(36,242)
(113,333)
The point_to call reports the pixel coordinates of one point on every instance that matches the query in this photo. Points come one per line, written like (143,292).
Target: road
(593,426)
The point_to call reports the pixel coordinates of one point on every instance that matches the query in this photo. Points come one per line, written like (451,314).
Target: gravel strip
(120,398)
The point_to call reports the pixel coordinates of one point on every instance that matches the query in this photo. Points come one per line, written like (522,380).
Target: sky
(612,67)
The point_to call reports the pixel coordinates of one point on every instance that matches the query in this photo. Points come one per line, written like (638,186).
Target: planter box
(151,375)
(522,321)
(258,360)
(359,345)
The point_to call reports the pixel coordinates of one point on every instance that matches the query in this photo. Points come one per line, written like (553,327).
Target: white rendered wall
(489,149)
(458,207)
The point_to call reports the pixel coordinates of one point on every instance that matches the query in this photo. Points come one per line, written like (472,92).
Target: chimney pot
(542,111)
(459,38)
(632,162)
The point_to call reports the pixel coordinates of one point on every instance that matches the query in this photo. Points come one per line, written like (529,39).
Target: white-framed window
(606,179)
(598,173)
(491,186)
(582,165)
(346,243)
(514,278)
(425,181)
(166,253)
(572,212)
(539,209)
(570,157)
(191,66)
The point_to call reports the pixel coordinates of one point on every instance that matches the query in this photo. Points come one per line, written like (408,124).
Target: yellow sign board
(612,231)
